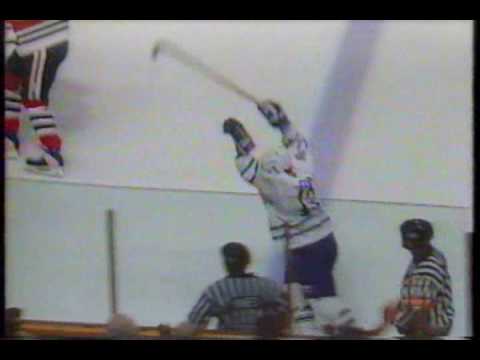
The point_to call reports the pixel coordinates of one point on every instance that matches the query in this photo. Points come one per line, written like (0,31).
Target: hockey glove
(274,113)
(243,141)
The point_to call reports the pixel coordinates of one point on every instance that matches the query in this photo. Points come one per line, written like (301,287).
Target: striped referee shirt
(427,285)
(236,301)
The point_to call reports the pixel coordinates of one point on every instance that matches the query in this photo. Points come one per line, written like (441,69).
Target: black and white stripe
(13,104)
(236,302)
(248,167)
(301,230)
(42,36)
(35,81)
(310,223)
(42,31)
(430,280)
(43,123)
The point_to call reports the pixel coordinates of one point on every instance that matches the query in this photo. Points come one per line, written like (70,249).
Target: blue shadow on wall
(336,108)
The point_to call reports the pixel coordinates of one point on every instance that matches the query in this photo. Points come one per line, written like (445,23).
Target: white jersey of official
(294,211)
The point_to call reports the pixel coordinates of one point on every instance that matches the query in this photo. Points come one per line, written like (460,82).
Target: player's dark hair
(236,257)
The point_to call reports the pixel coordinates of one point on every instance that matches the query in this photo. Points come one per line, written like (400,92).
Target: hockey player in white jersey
(283,178)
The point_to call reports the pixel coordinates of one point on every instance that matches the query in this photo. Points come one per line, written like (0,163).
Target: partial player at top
(34,51)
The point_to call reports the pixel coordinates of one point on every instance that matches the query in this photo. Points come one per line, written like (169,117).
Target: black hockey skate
(50,163)
(12,146)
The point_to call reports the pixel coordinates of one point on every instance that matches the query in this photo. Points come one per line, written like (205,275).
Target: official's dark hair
(236,257)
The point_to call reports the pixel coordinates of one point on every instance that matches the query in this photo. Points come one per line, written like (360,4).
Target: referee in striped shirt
(425,308)
(238,301)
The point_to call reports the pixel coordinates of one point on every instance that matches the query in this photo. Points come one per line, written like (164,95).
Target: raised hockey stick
(169,48)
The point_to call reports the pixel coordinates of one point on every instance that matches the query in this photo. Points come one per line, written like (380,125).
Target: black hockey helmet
(416,231)
(236,254)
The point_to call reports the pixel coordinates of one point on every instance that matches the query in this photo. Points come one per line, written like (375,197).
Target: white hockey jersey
(294,211)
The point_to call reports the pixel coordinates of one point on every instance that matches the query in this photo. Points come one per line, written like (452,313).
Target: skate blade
(51,172)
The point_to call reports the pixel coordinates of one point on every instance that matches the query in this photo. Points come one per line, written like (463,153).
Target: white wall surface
(168,243)
(386,105)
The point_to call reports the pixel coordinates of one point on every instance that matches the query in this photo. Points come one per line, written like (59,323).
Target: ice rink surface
(386,105)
